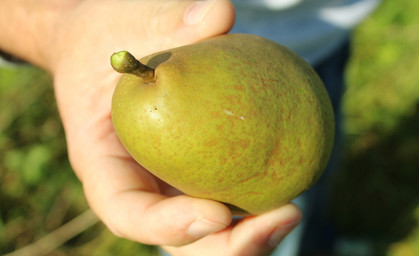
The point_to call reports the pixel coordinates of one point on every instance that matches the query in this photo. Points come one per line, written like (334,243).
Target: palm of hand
(132,202)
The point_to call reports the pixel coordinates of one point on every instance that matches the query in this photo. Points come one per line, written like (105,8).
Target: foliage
(38,189)
(375,196)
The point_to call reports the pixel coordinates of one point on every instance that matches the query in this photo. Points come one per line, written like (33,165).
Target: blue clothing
(312,28)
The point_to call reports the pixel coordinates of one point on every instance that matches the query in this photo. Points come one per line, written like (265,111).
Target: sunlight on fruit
(377,194)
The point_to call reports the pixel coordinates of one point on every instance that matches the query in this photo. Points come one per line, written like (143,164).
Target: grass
(39,191)
(375,197)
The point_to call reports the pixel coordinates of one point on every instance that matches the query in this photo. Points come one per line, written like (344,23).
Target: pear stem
(124,62)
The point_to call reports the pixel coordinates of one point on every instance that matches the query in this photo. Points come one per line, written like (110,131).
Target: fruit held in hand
(236,118)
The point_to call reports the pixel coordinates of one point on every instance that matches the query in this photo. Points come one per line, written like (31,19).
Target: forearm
(27,27)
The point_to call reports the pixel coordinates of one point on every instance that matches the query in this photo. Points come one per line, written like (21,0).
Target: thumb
(169,24)
(210,17)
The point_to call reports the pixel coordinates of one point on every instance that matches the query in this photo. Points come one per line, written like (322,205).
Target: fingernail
(290,217)
(202,227)
(196,13)
(278,235)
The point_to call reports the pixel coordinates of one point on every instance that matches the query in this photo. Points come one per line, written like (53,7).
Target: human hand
(130,201)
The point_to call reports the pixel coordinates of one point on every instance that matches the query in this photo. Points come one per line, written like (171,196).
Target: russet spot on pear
(235,118)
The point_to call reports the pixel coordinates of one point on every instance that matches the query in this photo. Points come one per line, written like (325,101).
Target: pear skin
(235,118)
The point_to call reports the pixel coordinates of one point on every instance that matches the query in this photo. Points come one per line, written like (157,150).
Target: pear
(235,118)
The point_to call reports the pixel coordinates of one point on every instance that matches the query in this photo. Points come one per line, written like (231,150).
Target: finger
(175,23)
(124,195)
(145,27)
(210,17)
(252,236)
(173,221)
(127,199)
(261,234)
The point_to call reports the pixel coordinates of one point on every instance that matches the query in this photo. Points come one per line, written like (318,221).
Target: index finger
(129,201)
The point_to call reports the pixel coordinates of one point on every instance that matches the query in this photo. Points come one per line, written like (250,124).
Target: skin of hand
(128,199)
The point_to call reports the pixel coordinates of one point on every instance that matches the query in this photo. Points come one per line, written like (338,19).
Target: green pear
(236,118)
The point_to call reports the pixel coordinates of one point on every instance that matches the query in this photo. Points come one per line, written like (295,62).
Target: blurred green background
(376,195)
